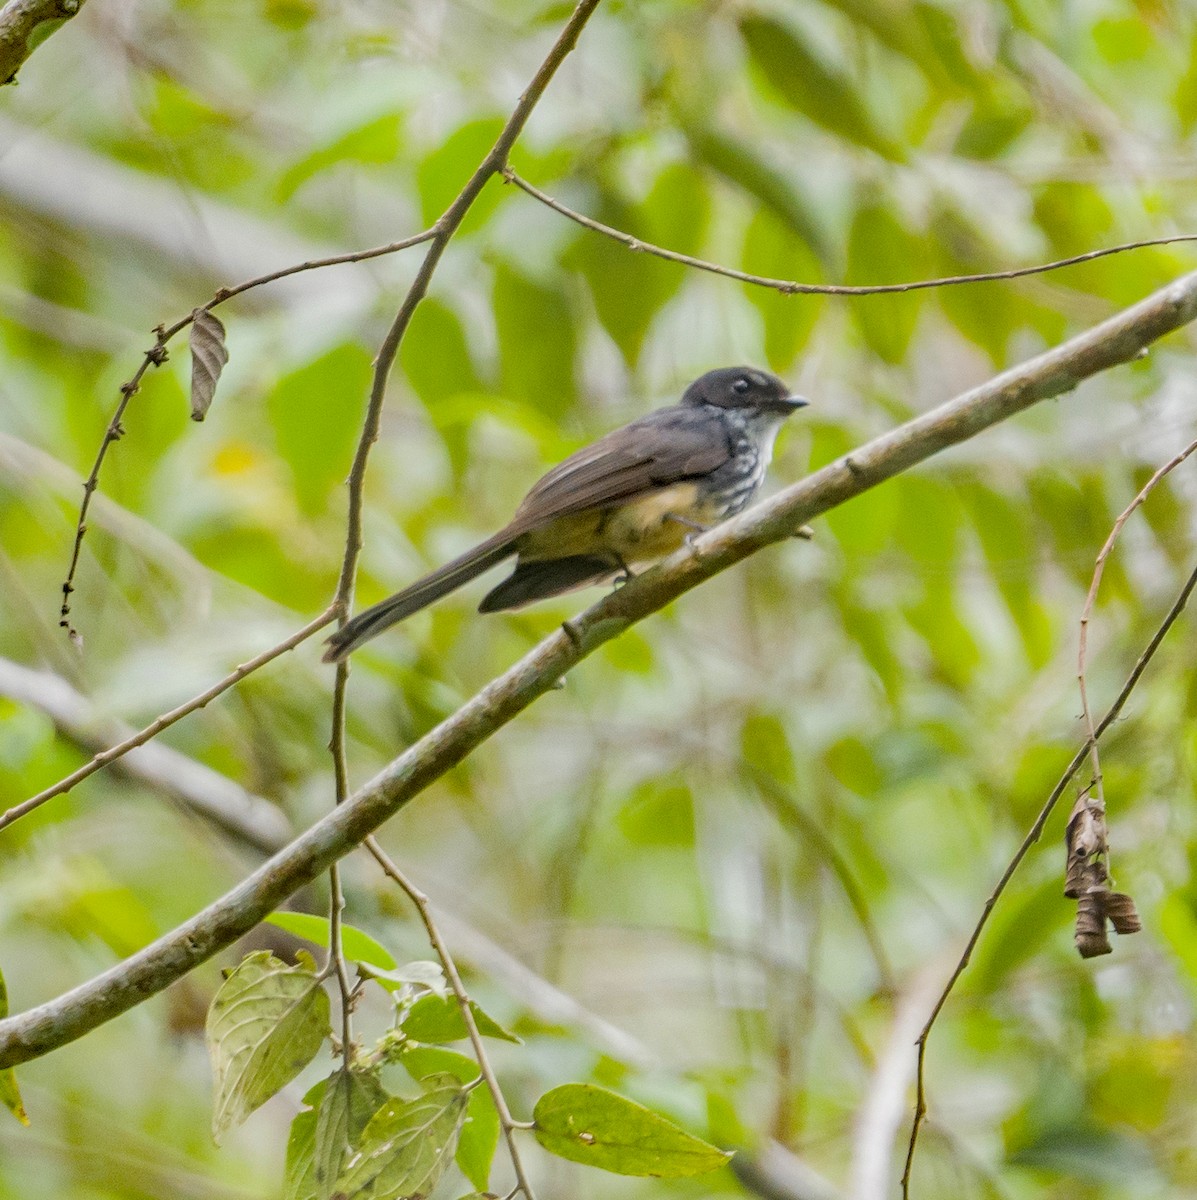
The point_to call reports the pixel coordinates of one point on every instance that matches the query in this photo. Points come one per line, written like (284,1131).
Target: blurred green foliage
(904,684)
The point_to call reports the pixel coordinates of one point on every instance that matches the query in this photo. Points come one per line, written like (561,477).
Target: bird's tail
(421,593)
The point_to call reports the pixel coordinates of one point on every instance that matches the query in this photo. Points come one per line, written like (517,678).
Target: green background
(666,838)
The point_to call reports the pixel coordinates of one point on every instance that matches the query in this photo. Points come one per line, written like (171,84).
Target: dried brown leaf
(208,356)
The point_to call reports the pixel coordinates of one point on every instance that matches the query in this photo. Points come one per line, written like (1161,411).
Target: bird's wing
(667,446)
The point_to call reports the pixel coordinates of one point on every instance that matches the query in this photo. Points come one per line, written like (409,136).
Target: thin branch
(1118,340)
(156,355)
(20,21)
(336,896)
(1031,838)
(155,727)
(251,820)
(417,897)
(1091,598)
(789,287)
(439,237)
(880,1116)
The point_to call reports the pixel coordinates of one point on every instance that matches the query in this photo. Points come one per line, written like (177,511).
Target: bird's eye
(741,385)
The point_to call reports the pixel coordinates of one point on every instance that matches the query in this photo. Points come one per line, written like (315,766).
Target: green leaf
(537,340)
(376,141)
(800,71)
(315,414)
(746,168)
(407,1145)
(480,1133)
(299,1177)
(435,355)
(444,172)
(358,945)
(349,1101)
(771,249)
(479,1138)
(422,1062)
(764,746)
(880,250)
(434,1018)
(589,1124)
(659,812)
(266,1023)
(10,1095)
(629,289)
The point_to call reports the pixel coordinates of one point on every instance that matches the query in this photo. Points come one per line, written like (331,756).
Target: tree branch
(24,25)
(1117,340)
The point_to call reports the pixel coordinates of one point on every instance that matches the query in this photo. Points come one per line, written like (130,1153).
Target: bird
(632,497)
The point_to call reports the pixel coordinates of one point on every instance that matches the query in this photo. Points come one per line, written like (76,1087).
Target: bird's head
(744,388)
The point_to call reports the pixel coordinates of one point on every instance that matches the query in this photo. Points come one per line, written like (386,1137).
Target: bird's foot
(694,527)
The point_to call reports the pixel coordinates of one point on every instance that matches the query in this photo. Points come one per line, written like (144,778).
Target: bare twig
(1091,598)
(249,819)
(20,20)
(789,287)
(1121,338)
(417,897)
(156,355)
(438,237)
(880,1115)
(1031,838)
(155,727)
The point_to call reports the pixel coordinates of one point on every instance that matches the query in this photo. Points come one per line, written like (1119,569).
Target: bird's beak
(789,404)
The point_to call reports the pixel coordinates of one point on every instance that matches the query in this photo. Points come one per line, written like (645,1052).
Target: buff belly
(642,530)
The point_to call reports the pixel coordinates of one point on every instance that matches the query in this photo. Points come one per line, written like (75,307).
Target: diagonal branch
(1117,340)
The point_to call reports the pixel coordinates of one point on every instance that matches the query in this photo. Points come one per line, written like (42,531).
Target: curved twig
(156,355)
(1033,835)
(789,287)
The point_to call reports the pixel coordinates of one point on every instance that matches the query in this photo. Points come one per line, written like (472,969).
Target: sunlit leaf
(771,250)
(357,945)
(377,140)
(814,85)
(314,411)
(537,343)
(589,1124)
(433,1018)
(407,1145)
(744,167)
(444,172)
(881,250)
(266,1023)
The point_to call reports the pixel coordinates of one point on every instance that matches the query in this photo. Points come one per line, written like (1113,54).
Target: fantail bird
(631,497)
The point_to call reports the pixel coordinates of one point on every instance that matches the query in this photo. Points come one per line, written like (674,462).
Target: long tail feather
(541,578)
(423,592)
